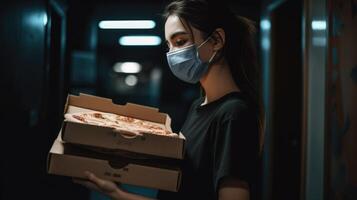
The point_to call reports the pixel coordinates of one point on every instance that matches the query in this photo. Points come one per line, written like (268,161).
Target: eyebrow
(176,34)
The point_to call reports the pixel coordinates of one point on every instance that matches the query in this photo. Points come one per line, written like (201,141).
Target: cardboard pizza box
(110,138)
(71,161)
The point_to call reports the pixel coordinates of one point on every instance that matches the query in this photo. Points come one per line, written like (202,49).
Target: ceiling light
(127,67)
(318,25)
(140,40)
(127,24)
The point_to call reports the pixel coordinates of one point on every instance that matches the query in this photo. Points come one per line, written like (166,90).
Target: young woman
(209,45)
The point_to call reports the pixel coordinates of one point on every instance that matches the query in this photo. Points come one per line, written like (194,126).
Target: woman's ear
(219,38)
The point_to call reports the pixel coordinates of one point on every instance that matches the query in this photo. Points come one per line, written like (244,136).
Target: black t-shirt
(222,140)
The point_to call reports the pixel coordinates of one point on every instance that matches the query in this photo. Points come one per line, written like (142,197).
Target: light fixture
(131,80)
(127,24)
(265,24)
(318,25)
(127,67)
(144,40)
(45,19)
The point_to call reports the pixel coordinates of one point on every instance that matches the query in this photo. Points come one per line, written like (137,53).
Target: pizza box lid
(66,160)
(112,139)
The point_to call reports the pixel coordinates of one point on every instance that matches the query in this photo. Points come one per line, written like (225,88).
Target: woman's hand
(108,188)
(105,187)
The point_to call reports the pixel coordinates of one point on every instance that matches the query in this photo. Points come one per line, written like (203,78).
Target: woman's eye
(180,42)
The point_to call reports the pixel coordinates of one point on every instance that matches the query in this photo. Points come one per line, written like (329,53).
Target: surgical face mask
(186,64)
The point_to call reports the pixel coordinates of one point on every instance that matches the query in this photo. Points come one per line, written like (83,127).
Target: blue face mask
(186,64)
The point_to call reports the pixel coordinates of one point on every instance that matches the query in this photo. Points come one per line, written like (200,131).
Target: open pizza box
(110,139)
(66,160)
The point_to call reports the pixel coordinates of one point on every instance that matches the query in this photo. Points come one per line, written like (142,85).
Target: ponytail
(241,55)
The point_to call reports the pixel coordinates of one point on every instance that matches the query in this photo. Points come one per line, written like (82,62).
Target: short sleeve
(236,149)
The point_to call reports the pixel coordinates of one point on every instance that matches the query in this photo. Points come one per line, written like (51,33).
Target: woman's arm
(233,189)
(108,188)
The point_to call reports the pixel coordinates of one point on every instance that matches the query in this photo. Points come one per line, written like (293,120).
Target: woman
(210,45)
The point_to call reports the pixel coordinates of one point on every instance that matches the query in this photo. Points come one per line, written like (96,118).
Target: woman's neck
(218,82)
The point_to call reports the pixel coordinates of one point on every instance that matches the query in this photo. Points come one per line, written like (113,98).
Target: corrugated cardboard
(66,161)
(104,137)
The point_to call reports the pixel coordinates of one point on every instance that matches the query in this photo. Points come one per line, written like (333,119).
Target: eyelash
(177,43)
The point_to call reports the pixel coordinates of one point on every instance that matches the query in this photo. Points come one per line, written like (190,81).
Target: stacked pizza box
(130,144)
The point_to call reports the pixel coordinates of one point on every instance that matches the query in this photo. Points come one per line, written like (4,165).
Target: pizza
(123,124)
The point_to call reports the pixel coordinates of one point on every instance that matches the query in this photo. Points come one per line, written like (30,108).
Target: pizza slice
(123,124)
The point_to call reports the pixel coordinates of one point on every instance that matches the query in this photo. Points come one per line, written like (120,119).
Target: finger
(104,185)
(94,178)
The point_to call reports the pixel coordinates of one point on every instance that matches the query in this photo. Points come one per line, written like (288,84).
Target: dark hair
(239,49)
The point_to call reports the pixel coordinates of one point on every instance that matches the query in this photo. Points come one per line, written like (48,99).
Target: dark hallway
(306,63)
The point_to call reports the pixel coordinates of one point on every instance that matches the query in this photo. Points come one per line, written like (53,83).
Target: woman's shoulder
(235,107)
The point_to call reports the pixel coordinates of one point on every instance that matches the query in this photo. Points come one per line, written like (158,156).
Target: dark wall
(27,130)
(286,66)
